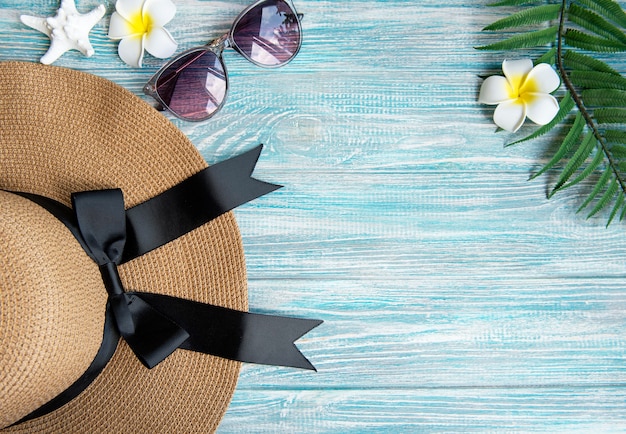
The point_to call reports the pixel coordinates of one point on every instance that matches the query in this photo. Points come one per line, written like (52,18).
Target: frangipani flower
(138,24)
(523,92)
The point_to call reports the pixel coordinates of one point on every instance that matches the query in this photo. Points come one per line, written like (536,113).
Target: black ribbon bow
(101,219)
(155,325)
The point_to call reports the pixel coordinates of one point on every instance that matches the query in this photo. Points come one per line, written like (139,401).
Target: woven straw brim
(63,131)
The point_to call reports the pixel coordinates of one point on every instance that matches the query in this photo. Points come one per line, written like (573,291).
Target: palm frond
(619,203)
(591,167)
(616,137)
(610,115)
(604,97)
(607,197)
(618,152)
(599,187)
(514,2)
(572,137)
(580,155)
(531,39)
(592,110)
(593,79)
(547,57)
(526,17)
(608,9)
(593,22)
(574,60)
(579,39)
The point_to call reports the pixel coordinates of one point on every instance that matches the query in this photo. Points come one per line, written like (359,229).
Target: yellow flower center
(523,89)
(141,24)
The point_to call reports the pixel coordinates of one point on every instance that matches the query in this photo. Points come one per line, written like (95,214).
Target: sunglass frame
(217,46)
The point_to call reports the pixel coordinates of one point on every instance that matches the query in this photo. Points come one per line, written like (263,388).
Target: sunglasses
(193,85)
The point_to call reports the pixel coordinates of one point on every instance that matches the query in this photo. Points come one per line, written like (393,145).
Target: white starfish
(67,30)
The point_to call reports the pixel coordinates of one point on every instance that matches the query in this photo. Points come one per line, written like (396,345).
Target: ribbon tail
(231,180)
(236,335)
(195,201)
(270,340)
(155,336)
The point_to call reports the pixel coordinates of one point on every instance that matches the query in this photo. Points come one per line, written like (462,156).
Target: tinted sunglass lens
(268,34)
(193,87)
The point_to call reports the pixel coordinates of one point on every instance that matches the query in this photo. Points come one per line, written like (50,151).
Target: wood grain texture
(456,297)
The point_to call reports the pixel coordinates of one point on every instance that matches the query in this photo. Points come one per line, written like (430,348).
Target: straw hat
(63,131)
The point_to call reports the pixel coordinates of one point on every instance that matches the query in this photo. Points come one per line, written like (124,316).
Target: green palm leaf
(610,115)
(591,167)
(595,23)
(574,60)
(608,9)
(618,151)
(592,109)
(600,185)
(582,152)
(572,137)
(607,197)
(513,3)
(604,97)
(583,40)
(615,137)
(619,203)
(595,79)
(525,17)
(536,38)
(547,57)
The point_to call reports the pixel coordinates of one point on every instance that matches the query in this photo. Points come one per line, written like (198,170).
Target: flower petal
(516,70)
(510,115)
(120,28)
(542,108)
(494,90)
(160,43)
(158,12)
(129,8)
(542,78)
(130,50)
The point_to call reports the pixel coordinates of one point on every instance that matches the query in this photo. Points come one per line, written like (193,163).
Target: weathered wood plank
(562,410)
(423,225)
(450,332)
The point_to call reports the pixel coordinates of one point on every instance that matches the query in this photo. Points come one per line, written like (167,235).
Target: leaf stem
(579,102)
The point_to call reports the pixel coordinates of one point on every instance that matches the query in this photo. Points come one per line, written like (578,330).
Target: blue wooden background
(455,296)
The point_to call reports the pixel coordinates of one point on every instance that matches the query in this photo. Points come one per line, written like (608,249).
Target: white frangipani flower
(523,92)
(138,24)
